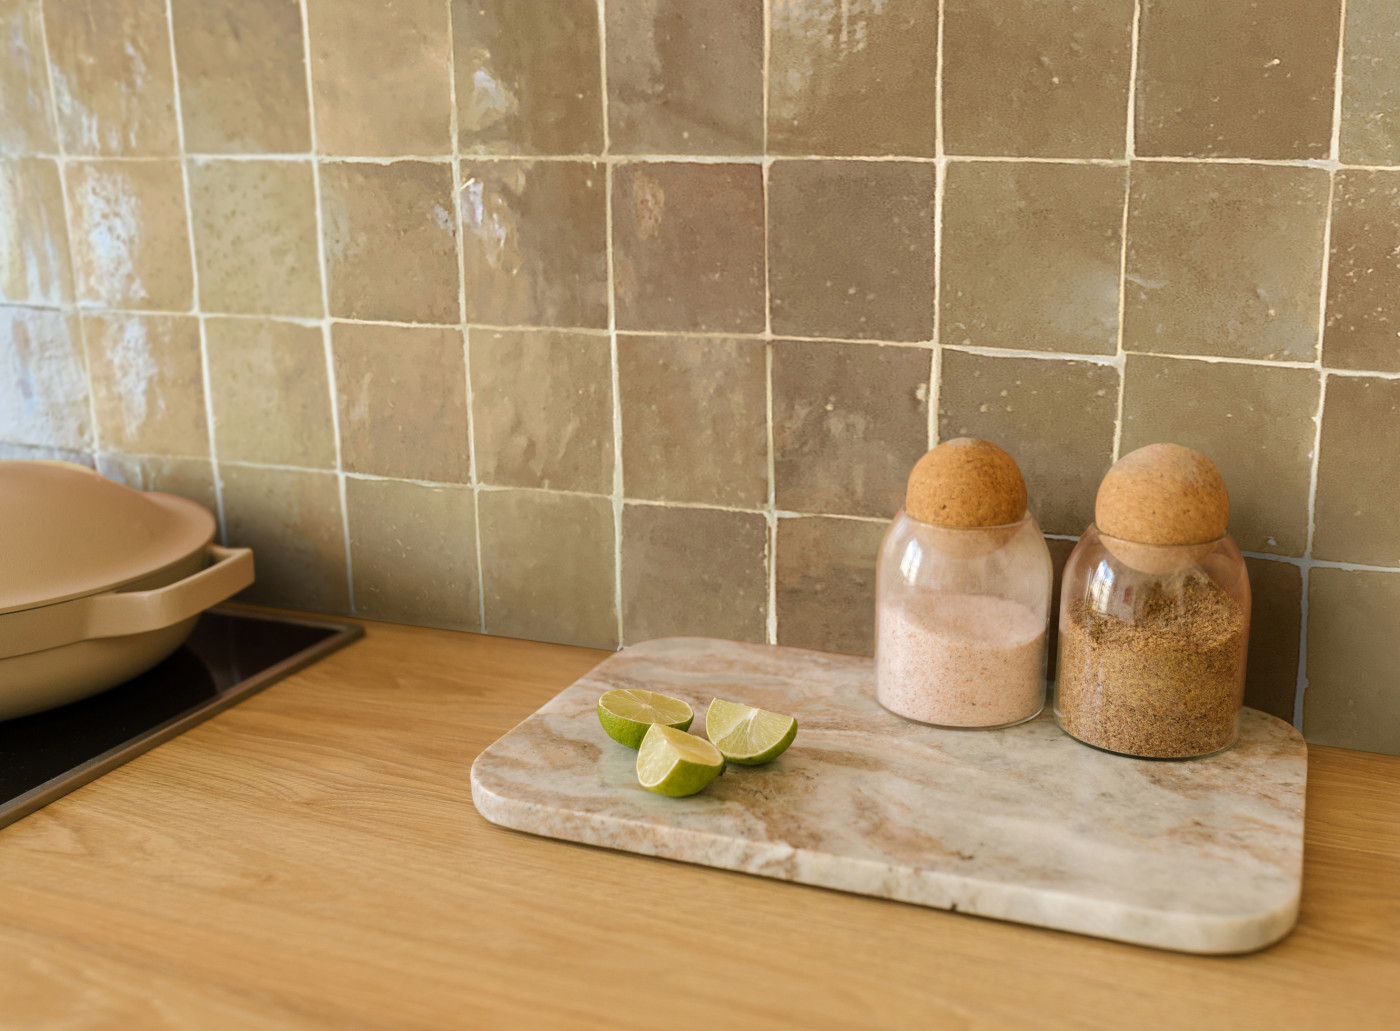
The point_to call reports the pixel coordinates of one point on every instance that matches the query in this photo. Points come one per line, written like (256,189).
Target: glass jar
(1152,646)
(960,622)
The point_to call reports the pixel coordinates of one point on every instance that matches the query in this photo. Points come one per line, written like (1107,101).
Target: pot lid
(66,532)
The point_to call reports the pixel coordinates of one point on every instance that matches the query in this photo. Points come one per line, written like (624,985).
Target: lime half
(672,762)
(627,714)
(746,735)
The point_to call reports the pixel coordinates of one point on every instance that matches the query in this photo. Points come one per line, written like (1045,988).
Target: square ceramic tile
(535,242)
(1056,418)
(826,583)
(191,478)
(1275,625)
(255,237)
(694,419)
(1358,472)
(1026,78)
(688,247)
(381,77)
(1370,125)
(542,409)
(549,566)
(693,571)
(413,553)
(849,422)
(112,81)
(43,379)
(147,383)
(292,520)
(1363,277)
(850,249)
(34,265)
(270,392)
(26,111)
(853,78)
(529,76)
(1224,260)
(1353,652)
(1031,256)
(1236,80)
(684,83)
(402,398)
(130,241)
(391,243)
(1255,422)
(242,72)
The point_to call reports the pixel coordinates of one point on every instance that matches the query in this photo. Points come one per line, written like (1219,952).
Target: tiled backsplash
(597,321)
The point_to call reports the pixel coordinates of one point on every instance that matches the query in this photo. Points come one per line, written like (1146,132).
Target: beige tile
(681,83)
(1236,80)
(1056,418)
(242,72)
(1363,277)
(542,409)
(693,571)
(112,82)
(130,238)
(1358,472)
(402,397)
(1031,256)
(147,383)
(270,393)
(44,453)
(1033,79)
(43,379)
(1353,651)
(413,553)
(1370,123)
(826,583)
(834,67)
(391,246)
(1275,624)
(548,567)
(1255,422)
(292,520)
(850,249)
(381,77)
(849,422)
(26,112)
(255,237)
(191,478)
(529,76)
(688,247)
(1224,260)
(34,265)
(534,242)
(694,419)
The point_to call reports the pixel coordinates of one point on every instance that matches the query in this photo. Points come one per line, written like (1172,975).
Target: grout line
(940,186)
(1336,148)
(608,162)
(1130,152)
(770,508)
(1013,352)
(1130,135)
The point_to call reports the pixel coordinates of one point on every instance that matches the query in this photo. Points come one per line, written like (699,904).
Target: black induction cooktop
(231,654)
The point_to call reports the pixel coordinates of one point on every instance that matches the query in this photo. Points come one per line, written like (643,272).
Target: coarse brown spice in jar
(1163,686)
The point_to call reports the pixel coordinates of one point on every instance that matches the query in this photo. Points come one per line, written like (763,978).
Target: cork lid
(1163,494)
(966,483)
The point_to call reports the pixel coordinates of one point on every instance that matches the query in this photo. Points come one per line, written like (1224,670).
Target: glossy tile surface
(1358,472)
(1370,122)
(147,383)
(26,107)
(43,379)
(1362,330)
(825,583)
(34,262)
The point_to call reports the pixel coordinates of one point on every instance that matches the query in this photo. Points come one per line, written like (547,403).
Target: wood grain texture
(311,858)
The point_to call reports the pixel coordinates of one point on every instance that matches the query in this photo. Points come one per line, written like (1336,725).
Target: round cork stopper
(1163,494)
(966,483)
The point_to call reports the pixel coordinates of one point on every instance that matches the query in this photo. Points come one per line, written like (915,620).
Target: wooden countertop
(311,858)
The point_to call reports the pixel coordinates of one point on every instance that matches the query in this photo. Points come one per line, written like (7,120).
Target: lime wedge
(672,762)
(746,735)
(627,714)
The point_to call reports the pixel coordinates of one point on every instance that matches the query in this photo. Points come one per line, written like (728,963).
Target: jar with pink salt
(963,587)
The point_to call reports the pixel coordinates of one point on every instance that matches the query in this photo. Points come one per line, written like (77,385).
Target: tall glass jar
(961,620)
(1153,639)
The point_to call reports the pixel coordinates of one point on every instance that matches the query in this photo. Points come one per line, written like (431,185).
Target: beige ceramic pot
(98,582)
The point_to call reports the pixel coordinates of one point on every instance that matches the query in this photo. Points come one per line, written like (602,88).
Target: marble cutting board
(1022,824)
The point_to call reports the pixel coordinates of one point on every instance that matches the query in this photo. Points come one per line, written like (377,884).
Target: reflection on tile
(1370,130)
(44,453)
(147,383)
(270,394)
(1031,256)
(1353,652)
(826,583)
(1060,551)
(534,241)
(413,553)
(542,409)
(43,379)
(34,266)
(1275,623)
(1363,278)
(26,116)
(693,571)
(1358,473)
(191,478)
(549,567)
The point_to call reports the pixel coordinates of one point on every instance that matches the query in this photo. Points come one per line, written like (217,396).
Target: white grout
(608,162)
(1336,150)
(1129,151)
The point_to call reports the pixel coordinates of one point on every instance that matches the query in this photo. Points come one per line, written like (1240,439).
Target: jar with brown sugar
(963,587)
(1154,613)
